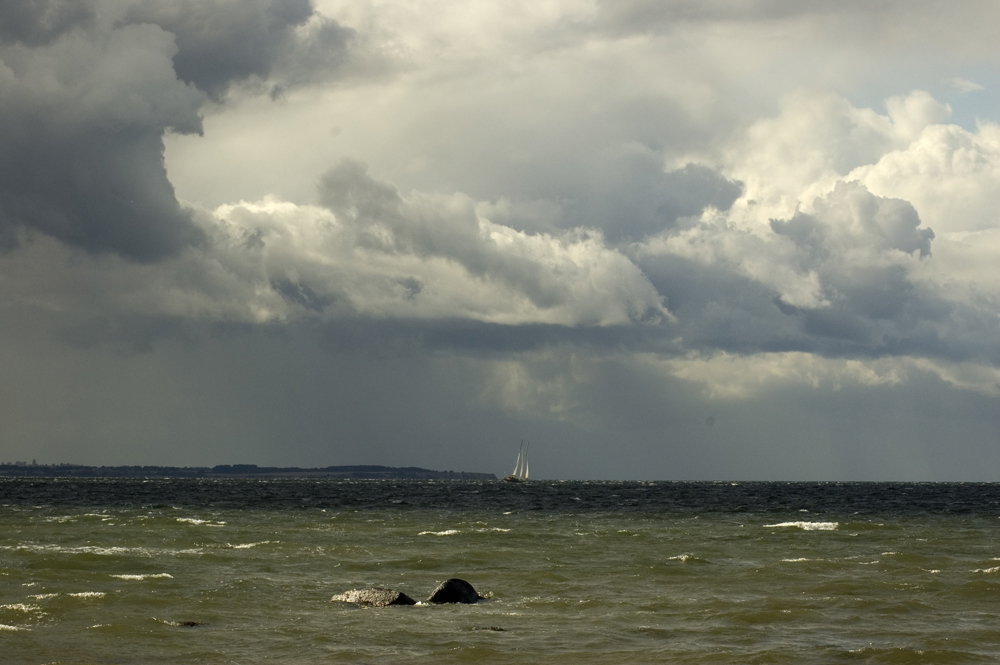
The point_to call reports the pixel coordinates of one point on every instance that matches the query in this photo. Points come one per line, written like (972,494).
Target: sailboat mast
(517,464)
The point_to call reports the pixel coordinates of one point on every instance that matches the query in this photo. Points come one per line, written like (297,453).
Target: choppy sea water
(243,571)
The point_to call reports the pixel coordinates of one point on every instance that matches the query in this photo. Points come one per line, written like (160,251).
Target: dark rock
(375,597)
(454,591)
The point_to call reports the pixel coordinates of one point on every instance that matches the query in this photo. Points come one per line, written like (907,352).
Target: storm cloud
(90,89)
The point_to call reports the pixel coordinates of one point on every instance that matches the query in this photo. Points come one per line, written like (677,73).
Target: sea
(133,570)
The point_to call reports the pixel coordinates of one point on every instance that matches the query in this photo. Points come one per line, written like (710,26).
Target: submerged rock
(454,591)
(375,597)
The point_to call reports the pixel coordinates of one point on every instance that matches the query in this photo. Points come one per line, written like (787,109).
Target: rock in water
(454,591)
(375,597)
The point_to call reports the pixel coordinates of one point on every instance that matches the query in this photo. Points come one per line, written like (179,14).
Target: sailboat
(520,473)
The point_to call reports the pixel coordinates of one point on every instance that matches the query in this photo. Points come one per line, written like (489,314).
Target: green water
(118,585)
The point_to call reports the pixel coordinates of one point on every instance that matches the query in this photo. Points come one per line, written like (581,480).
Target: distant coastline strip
(363,472)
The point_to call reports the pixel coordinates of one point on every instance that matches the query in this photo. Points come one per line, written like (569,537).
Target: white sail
(521,466)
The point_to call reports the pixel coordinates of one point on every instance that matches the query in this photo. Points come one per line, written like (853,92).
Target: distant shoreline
(363,472)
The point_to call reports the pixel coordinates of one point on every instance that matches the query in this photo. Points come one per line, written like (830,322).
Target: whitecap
(143,577)
(805,526)
(87,594)
(193,520)
(4,626)
(796,560)
(20,607)
(247,546)
(987,570)
(85,549)
(449,532)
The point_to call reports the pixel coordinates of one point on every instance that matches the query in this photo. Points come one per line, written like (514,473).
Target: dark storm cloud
(301,294)
(86,97)
(879,312)
(319,52)
(81,150)
(229,40)
(722,310)
(34,22)
(103,190)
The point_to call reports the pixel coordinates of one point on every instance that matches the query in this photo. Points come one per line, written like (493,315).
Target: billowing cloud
(950,174)
(87,92)
(223,41)
(809,259)
(81,153)
(226,41)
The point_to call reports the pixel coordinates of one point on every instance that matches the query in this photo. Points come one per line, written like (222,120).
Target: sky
(664,240)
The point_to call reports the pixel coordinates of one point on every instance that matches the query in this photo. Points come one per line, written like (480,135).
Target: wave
(449,532)
(805,526)
(687,558)
(21,607)
(143,577)
(83,549)
(194,520)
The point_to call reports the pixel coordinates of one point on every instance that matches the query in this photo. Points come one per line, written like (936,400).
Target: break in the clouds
(659,239)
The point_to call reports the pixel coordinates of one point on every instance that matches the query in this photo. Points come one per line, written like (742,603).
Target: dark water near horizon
(112,571)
